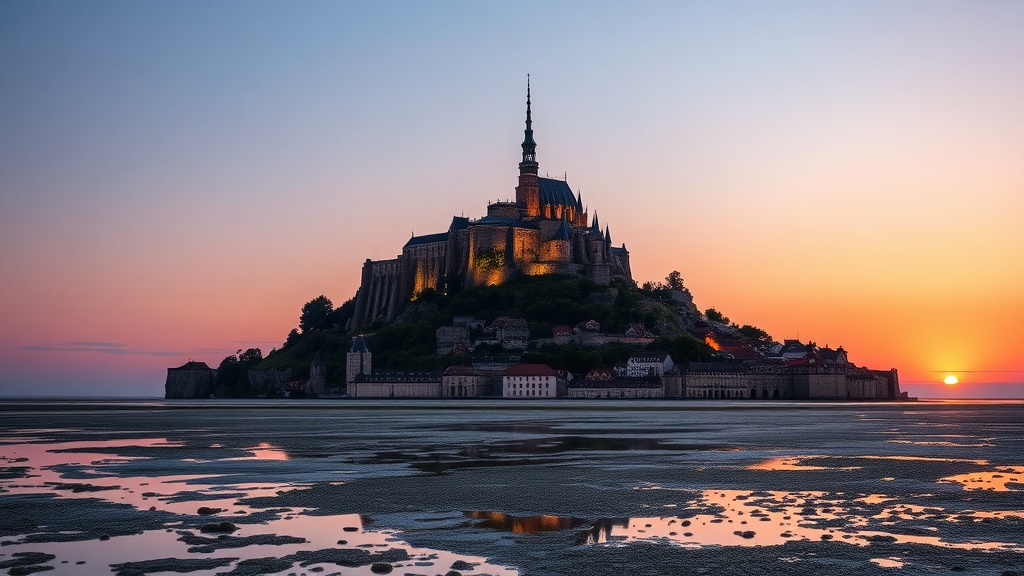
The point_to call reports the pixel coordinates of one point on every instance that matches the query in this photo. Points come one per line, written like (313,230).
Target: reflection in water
(794,463)
(46,463)
(1002,479)
(525,524)
(744,518)
(888,562)
(264,451)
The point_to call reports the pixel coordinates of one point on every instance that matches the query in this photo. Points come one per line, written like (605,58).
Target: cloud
(116,348)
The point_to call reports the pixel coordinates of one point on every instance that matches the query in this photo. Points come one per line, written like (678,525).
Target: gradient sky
(178,178)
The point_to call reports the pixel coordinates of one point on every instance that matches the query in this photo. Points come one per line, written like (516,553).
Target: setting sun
(950,380)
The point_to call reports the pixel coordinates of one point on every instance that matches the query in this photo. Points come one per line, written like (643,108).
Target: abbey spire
(528,190)
(529,145)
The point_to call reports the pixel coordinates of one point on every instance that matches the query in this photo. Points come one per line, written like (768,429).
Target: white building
(644,365)
(531,381)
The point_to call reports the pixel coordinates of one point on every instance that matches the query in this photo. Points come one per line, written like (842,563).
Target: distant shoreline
(25,404)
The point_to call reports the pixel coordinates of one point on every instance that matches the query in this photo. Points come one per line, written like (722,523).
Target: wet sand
(508,488)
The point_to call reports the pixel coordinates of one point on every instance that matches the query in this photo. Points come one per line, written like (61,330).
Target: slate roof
(359,345)
(192,365)
(427,239)
(530,370)
(556,192)
(563,232)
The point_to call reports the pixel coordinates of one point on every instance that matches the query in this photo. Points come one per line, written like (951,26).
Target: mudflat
(503,488)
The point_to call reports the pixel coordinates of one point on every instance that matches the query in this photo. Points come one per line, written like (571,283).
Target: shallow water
(512,488)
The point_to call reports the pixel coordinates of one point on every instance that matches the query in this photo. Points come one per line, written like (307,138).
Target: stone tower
(528,190)
(317,384)
(358,361)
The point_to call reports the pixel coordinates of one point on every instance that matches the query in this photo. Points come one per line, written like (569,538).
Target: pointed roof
(607,234)
(595,226)
(359,345)
(563,232)
(529,145)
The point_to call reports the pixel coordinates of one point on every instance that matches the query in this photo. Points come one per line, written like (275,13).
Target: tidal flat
(511,488)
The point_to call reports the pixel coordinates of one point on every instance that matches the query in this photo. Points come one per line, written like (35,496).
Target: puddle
(888,562)
(770,518)
(1002,479)
(288,535)
(524,524)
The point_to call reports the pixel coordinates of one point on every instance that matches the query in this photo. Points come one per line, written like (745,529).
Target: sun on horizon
(951,380)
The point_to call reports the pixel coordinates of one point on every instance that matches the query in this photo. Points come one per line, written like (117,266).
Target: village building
(532,381)
(649,364)
(397,384)
(650,387)
(469,382)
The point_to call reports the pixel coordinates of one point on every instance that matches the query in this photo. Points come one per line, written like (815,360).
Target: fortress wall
(380,291)
(620,263)
(823,386)
(601,274)
(488,256)
(555,251)
(503,210)
(426,267)
(542,268)
(186,383)
(525,245)
(458,253)
(595,250)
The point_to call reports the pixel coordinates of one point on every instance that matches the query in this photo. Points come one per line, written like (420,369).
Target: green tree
(315,314)
(233,373)
(716,316)
(756,334)
(674,281)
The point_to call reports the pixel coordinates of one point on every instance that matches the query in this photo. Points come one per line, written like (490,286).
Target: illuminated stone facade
(545,231)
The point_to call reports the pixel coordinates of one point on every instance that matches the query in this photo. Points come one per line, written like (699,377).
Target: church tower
(358,361)
(528,191)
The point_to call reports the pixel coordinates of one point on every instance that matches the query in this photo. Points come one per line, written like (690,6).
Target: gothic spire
(607,235)
(529,146)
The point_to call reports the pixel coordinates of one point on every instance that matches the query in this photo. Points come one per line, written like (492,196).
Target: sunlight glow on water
(93,557)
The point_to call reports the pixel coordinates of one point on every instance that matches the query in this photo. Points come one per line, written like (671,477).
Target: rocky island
(531,300)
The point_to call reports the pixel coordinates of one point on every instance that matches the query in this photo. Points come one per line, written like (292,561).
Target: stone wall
(380,292)
(272,379)
(395,389)
(618,392)
(425,265)
(189,383)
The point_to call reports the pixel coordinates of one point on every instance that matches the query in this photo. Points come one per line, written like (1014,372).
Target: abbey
(545,231)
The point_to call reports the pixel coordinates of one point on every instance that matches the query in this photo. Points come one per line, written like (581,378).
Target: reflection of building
(190,380)
(544,231)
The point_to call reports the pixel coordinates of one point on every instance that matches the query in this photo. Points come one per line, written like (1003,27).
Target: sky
(178,178)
